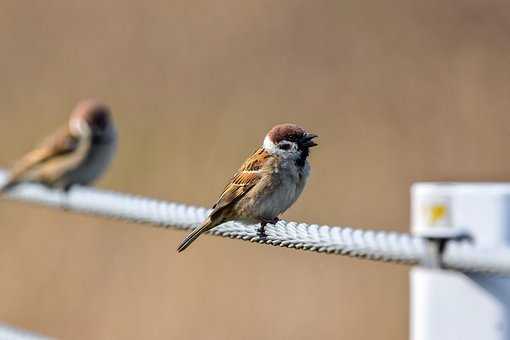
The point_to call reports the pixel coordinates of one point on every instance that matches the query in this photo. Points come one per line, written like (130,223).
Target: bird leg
(66,188)
(263,221)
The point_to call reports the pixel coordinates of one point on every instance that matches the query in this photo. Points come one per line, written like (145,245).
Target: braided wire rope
(369,244)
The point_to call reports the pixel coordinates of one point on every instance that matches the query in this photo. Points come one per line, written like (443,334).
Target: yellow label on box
(437,214)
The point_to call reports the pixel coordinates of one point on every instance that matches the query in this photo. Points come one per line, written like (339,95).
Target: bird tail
(207,225)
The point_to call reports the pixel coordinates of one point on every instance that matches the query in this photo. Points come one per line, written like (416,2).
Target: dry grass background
(400,92)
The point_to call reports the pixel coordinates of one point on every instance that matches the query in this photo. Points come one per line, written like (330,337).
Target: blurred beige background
(400,92)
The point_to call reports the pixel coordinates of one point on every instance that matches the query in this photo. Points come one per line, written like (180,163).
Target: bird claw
(261,232)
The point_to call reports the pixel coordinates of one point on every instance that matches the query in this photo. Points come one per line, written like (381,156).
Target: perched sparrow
(76,154)
(266,185)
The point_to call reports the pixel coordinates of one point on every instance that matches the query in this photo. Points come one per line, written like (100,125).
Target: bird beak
(307,140)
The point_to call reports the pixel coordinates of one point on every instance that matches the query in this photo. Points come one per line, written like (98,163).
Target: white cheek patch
(79,126)
(269,146)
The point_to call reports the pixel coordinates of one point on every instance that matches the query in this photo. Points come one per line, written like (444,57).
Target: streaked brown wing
(246,177)
(59,144)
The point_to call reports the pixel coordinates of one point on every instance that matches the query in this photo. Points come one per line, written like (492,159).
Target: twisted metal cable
(373,245)
(12,333)
(463,256)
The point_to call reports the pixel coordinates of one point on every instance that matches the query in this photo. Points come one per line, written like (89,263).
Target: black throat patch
(305,152)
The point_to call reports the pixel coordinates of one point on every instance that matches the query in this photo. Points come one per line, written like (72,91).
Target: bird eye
(285,146)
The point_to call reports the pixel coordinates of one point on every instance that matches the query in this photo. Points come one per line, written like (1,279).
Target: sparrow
(77,153)
(267,183)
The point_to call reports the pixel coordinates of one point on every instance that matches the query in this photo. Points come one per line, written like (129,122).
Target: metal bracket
(436,240)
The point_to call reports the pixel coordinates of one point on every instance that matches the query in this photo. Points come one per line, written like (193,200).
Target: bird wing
(31,166)
(243,180)
(248,175)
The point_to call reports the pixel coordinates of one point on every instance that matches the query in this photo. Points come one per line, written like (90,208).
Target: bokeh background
(399,92)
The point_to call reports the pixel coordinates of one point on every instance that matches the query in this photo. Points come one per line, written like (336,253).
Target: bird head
(91,117)
(289,141)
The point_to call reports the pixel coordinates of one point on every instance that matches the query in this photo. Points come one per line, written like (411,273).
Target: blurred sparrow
(266,185)
(76,154)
